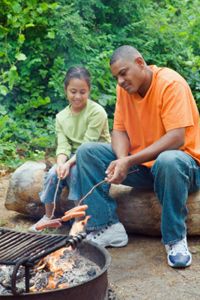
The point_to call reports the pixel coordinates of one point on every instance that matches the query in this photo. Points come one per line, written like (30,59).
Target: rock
(24,187)
(25,183)
(139,211)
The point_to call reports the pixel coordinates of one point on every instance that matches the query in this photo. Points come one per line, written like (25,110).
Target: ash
(5,279)
(66,271)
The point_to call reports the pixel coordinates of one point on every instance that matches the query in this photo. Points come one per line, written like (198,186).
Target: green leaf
(12,76)
(44,6)
(3,111)
(21,38)
(3,90)
(29,25)
(51,35)
(54,5)
(16,7)
(3,31)
(20,56)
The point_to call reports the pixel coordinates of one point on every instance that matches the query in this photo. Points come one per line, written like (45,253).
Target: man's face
(129,74)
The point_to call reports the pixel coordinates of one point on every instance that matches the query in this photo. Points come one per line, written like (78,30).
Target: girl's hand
(63,170)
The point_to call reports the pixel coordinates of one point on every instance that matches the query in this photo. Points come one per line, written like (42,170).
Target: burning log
(55,265)
(62,269)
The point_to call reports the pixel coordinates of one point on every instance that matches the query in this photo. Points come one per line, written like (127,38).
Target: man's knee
(86,149)
(93,149)
(170,160)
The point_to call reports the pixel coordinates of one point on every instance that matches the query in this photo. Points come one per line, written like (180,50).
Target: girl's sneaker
(40,222)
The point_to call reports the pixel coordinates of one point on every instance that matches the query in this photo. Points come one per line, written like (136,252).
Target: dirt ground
(139,270)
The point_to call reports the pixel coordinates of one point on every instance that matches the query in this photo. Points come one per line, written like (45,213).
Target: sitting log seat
(138,210)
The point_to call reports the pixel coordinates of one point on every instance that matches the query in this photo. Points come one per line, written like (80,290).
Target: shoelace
(99,232)
(180,247)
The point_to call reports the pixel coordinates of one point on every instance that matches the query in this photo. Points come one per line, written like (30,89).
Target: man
(157,134)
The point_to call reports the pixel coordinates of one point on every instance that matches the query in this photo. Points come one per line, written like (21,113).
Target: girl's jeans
(50,184)
(173,176)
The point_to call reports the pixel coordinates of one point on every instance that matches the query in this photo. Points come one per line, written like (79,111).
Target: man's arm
(120,143)
(118,169)
(172,140)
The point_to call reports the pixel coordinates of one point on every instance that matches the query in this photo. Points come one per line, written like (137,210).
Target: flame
(51,283)
(59,261)
(55,263)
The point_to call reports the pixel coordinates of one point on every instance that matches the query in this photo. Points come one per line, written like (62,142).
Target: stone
(24,187)
(138,210)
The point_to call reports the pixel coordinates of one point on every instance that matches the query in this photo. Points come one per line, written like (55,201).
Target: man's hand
(118,170)
(63,170)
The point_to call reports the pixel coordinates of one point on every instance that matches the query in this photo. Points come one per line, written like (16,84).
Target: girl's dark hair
(77,72)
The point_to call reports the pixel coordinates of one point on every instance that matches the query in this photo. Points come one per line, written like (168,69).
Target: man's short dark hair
(125,51)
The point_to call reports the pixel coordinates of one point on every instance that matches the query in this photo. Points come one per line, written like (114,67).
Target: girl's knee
(52,172)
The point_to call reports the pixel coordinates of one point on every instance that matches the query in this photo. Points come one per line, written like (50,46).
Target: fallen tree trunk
(139,211)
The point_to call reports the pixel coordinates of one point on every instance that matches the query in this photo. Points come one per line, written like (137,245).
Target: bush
(40,40)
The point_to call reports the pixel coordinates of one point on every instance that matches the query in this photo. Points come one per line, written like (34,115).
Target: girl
(81,121)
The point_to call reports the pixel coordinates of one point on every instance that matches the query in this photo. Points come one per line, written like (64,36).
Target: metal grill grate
(25,249)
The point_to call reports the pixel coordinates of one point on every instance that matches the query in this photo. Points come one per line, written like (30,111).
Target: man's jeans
(50,184)
(173,176)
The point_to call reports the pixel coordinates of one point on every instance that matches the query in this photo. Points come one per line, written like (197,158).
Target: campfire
(63,268)
(35,265)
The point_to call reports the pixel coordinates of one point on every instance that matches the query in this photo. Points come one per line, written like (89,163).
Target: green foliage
(40,40)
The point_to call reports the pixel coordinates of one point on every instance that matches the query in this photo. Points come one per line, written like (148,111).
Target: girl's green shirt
(72,130)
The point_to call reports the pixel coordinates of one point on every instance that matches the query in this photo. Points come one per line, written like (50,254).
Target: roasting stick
(96,185)
(54,198)
(84,197)
(90,192)
(74,213)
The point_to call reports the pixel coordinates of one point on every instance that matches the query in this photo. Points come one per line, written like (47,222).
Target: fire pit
(95,289)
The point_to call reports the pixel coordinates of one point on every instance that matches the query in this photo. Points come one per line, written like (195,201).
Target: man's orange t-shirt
(167,105)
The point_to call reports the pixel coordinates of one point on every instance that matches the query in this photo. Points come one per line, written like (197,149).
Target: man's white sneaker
(178,255)
(110,236)
(40,222)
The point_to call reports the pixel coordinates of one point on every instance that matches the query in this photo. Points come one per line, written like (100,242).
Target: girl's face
(77,93)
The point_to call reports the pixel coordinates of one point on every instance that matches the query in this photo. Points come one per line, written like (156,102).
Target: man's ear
(140,61)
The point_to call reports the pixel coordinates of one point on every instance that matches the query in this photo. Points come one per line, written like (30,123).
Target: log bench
(139,211)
